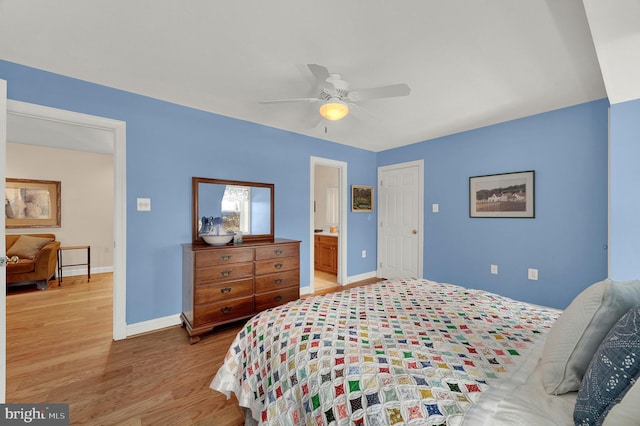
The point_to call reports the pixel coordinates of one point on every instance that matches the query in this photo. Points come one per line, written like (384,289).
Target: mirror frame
(195,181)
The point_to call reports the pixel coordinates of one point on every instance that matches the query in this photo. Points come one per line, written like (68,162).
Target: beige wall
(86,199)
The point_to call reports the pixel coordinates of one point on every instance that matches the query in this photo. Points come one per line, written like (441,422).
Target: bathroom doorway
(328,224)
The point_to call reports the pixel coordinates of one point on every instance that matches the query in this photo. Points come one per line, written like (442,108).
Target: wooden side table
(61,265)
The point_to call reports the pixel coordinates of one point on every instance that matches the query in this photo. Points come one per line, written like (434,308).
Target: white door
(400,220)
(3,276)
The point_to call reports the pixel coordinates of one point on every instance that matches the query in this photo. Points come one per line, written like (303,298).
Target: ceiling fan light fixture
(334,109)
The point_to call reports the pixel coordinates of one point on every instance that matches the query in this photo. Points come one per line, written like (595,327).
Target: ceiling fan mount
(335,96)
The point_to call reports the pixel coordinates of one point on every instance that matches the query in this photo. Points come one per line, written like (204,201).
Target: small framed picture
(361,198)
(502,195)
(32,203)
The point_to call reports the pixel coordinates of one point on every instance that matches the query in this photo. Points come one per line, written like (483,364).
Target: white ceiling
(469,63)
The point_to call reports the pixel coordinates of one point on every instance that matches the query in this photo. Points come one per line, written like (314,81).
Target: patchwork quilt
(404,351)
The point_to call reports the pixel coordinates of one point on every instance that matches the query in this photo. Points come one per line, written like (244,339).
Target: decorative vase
(206,224)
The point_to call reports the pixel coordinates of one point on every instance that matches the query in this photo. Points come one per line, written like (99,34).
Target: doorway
(94,131)
(328,241)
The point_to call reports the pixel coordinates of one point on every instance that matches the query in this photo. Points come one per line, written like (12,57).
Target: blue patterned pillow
(612,371)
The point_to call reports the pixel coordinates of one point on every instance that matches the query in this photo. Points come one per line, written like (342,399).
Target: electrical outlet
(435,208)
(364,254)
(532,274)
(494,269)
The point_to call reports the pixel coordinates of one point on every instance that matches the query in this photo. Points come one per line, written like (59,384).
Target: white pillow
(577,334)
(627,412)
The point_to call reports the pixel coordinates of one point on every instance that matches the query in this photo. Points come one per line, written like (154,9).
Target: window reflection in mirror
(236,209)
(243,206)
(246,209)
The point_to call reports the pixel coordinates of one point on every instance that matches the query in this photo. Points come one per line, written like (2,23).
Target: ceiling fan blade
(360,112)
(279,101)
(391,91)
(320,72)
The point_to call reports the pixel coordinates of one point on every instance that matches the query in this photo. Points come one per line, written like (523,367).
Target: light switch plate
(435,207)
(144,204)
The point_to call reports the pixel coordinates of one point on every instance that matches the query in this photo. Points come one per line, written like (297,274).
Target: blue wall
(167,144)
(625,196)
(566,241)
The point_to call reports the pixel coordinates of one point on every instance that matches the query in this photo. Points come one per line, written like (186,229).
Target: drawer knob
(226,272)
(277,298)
(278,252)
(278,265)
(225,257)
(225,290)
(278,280)
(226,309)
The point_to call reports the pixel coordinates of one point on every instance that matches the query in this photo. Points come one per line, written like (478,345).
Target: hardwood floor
(324,280)
(60,350)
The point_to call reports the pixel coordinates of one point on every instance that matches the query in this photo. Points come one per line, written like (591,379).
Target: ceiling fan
(336,98)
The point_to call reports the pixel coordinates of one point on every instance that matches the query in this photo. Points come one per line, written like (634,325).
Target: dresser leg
(194,339)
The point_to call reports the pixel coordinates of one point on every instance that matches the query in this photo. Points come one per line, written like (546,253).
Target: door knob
(414,231)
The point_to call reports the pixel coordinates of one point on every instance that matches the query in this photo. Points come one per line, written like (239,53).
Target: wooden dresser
(221,284)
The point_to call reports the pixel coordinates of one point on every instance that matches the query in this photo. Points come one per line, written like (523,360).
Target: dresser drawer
(223,311)
(222,273)
(272,266)
(272,282)
(223,256)
(223,291)
(276,298)
(277,251)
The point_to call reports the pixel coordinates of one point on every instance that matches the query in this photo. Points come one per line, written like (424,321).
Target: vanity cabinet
(222,284)
(326,253)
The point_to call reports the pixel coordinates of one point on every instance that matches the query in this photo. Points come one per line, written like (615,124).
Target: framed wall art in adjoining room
(361,198)
(502,195)
(32,203)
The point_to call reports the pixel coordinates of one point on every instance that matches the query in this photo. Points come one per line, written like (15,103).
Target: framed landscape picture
(361,198)
(32,203)
(502,195)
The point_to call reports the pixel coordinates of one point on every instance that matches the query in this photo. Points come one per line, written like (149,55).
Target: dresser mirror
(244,206)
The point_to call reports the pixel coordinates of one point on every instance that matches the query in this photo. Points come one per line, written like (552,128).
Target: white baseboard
(352,279)
(153,325)
(172,320)
(72,272)
(361,277)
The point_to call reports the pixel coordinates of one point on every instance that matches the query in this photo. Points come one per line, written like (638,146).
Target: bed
(403,351)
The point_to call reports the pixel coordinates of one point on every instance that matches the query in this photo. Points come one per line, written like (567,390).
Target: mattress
(404,351)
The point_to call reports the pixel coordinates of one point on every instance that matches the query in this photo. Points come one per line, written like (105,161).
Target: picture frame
(504,195)
(361,198)
(30,203)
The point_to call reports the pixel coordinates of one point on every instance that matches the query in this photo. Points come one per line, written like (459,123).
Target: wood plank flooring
(324,280)
(60,350)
